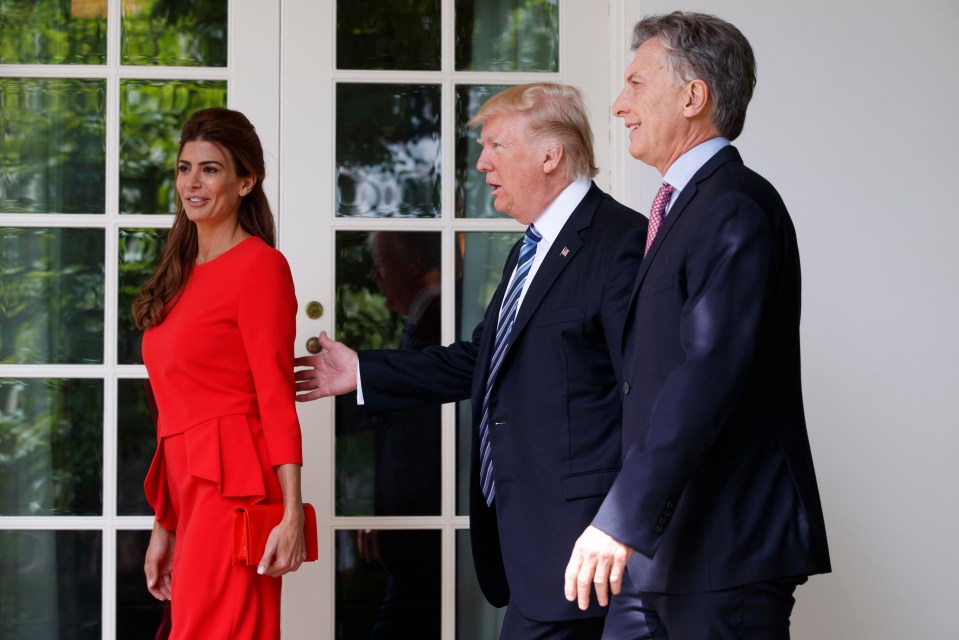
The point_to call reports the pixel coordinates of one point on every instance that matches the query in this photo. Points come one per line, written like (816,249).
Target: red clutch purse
(252,525)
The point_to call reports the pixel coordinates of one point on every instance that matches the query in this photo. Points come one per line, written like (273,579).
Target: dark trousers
(757,611)
(516,626)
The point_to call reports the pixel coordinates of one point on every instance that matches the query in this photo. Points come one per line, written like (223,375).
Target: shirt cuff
(359,385)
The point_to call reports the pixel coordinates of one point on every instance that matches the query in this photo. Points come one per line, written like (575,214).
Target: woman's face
(208,185)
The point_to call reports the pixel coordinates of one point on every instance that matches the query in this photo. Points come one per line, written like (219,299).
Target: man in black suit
(716,512)
(541,369)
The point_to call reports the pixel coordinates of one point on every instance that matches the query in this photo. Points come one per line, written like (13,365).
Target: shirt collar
(682,171)
(551,221)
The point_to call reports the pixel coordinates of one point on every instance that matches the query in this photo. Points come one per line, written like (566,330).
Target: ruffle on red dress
(221,450)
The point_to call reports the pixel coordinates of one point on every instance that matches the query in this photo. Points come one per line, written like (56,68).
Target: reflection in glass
(174,33)
(51,447)
(388,150)
(136,442)
(507,35)
(387,296)
(483,256)
(50,584)
(473,199)
(139,254)
(372,34)
(53,32)
(152,112)
(387,584)
(53,154)
(51,296)
(476,619)
(139,614)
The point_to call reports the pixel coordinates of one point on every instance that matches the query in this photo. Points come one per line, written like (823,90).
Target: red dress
(221,367)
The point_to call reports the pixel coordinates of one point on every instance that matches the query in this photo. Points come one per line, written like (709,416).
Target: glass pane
(372,34)
(483,257)
(139,254)
(473,197)
(387,584)
(50,584)
(165,32)
(476,619)
(388,150)
(387,296)
(53,155)
(139,614)
(53,32)
(507,35)
(152,112)
(51,296)
(136,442)
(51,446)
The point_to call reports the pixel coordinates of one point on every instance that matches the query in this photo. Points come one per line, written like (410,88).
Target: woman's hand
(285,547)
(158,564)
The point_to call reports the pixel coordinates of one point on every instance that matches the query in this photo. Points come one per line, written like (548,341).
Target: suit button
(626,388)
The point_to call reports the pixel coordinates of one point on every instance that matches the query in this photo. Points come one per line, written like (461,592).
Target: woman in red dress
(219,321)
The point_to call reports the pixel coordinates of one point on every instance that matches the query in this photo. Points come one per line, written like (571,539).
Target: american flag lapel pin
(564,252)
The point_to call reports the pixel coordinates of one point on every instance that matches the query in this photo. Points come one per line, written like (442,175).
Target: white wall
(854,120)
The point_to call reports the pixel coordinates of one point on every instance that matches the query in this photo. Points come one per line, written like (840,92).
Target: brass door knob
(313,345)
(314,310)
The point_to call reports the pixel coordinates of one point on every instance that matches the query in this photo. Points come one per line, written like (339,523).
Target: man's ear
(697,99)
(553,157)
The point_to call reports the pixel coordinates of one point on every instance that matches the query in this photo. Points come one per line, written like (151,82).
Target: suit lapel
(561,253)
(724,155)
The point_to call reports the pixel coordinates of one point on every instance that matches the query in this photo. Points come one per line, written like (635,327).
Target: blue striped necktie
(504,326)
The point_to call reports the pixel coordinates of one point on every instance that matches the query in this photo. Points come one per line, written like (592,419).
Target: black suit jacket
(717,487)
(555,408)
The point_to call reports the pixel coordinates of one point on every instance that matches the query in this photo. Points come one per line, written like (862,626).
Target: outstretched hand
(598,560)
(330,373)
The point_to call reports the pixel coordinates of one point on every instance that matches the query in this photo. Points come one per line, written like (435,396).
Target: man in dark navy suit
(716,512)
(541,369)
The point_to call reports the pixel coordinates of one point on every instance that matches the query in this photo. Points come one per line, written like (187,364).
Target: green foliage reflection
(139,254)
(473,198)
(507,35)
(51,447)
(152,112)
(51,296)
(52,145)
(174,32)
(400,34)
(53,32)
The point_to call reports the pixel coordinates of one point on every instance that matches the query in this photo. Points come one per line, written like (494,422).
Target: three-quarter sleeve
(267,323)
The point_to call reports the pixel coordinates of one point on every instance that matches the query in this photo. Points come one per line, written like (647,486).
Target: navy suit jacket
(717,487)
(555,407)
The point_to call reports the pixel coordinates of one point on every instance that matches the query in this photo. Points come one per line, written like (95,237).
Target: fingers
(598,562)
(326,342)
(269,550)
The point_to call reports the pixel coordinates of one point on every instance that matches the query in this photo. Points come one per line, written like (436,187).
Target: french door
(394,244)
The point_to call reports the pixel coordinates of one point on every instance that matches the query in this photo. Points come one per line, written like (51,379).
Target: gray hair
(703,47)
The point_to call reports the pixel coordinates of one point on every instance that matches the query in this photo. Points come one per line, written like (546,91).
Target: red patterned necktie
(656,213)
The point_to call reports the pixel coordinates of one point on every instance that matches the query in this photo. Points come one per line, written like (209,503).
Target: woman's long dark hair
(233,133)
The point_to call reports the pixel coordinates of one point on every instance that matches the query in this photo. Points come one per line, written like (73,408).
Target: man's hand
(158,563)
(330,373)
(597,560)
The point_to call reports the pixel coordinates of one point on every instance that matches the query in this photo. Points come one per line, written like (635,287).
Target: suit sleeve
(727,276)
(395,379)
(616,291)
(267,322)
